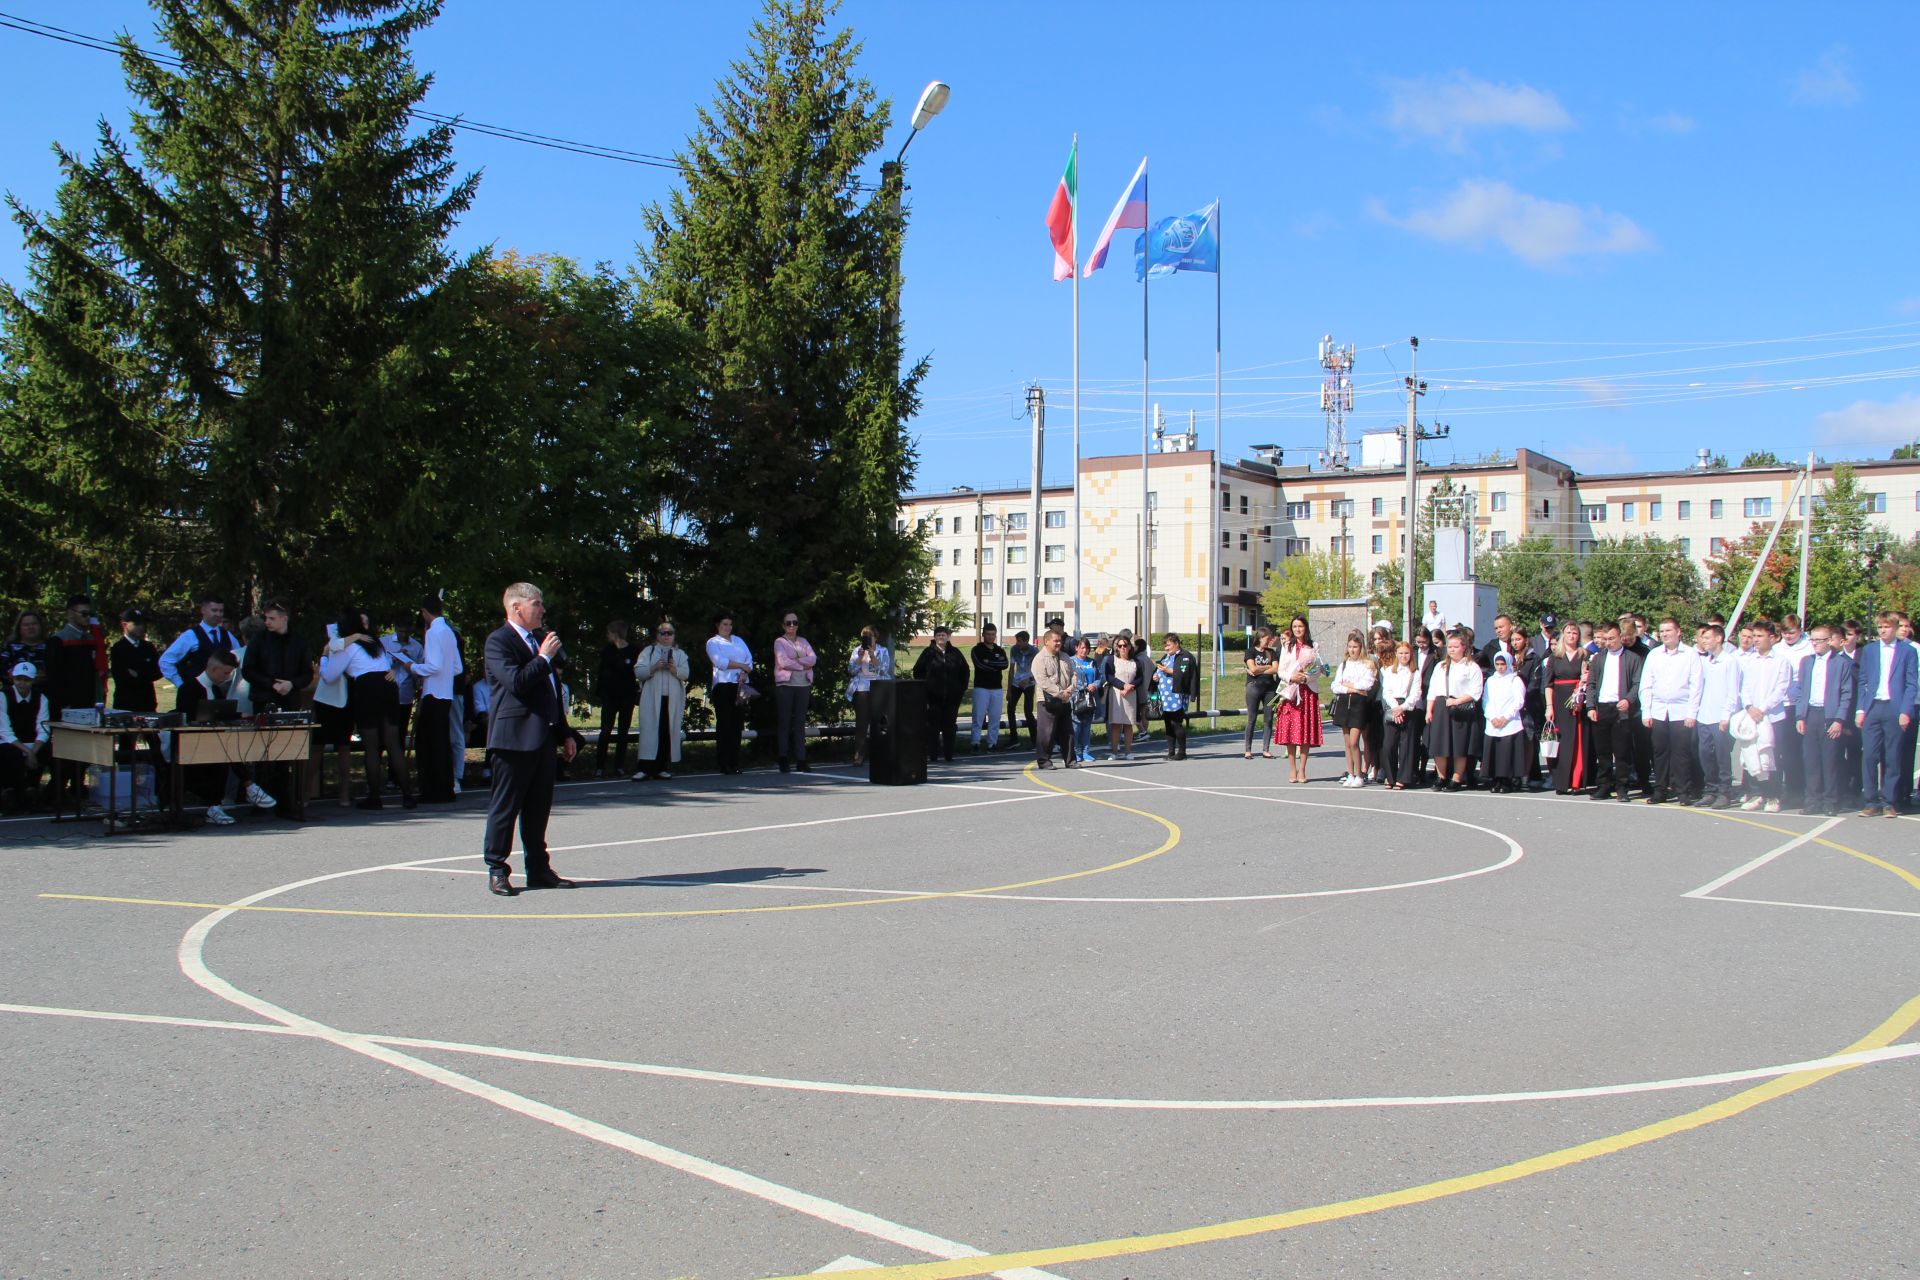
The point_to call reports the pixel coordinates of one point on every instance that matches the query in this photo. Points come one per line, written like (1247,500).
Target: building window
(1243,540)
(1266,567)
(1056,519)
(1016,555)
(1546,508)
(1877,504)
(1716,509)
(1153,539)
(1341,546)
(1015,621)
(1054,586)
(1243,504)
(986,620)
(1594,513)
(939,555)
(985,586)
(939,524)
(986,524)
(1684,510)
(1226,499)
(1586,546)
(1016,520)
(1226,538)
(1496,501)
(1243,579)
(1379,506)
(1499,539)
(1686,546)
(1294,547)
(1379,541)
(959,524)
(1153,499)
(1226,576)
(1299,511)
(1656,509)
(986,555)
(1629,512)
(956,588)
(1056,552)
(1754,508)
(1716,546)
(1340,507)
(1016,586)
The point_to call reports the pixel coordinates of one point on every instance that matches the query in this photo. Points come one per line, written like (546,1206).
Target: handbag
(1082,702)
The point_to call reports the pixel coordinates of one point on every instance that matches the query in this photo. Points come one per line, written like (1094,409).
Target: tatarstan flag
(1060,217)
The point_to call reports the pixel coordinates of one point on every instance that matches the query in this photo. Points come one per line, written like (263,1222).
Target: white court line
(191,956)
(848,1263)
(1817,906)
(1761,861)
(1862,1057)
(809,822)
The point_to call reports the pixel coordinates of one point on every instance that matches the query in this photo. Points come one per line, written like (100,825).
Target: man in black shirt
(278,671)
(944,668)
(989,669)
(134,664)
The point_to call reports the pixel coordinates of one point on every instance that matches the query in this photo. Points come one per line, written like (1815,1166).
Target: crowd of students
(1821,719)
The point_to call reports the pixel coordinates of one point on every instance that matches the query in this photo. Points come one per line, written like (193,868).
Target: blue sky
(1622,233)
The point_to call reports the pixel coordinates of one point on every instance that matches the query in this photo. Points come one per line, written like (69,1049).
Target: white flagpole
(1146,427)
(1079,618)
(1213,504)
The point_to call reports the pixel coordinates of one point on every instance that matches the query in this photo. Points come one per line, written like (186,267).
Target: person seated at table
(208,782)
(25,735)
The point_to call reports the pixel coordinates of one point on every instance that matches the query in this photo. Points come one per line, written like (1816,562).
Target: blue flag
(1187,242)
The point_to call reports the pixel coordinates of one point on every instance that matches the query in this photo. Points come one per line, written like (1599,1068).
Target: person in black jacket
(528,721)
(1612,696)
(990,664)
(134,664)
(945,670)
(1177,676)
(619,692)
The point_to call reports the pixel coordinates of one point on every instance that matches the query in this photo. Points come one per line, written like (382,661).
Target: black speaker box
(897,744)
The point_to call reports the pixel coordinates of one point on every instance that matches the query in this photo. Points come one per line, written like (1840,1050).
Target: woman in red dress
(1563,674)
(1296,721)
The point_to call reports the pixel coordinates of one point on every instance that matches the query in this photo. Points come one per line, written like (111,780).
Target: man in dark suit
(1823,702)
(526,723)
(1888,702)
(1613,696)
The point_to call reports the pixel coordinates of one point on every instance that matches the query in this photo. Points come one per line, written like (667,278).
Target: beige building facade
(1016,570)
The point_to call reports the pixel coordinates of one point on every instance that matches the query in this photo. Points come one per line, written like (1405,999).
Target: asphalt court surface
(1147,1019)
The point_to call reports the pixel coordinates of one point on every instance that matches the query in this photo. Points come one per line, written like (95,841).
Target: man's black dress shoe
(502,884)
(548,881)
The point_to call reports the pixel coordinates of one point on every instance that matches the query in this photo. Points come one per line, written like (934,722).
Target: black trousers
(1643,766)
(942,713)
(523,796)
(1821,762)
(1053,730)
(729,718)
(433,749)
(1014,699)
(1612,741)
(1176,725)
(1399,758)
(1673,771)
(1259,698)
(616,722)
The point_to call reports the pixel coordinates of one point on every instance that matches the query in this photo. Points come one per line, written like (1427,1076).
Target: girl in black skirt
(368,669)
(1453,714)
(1352,692)
(1503,703)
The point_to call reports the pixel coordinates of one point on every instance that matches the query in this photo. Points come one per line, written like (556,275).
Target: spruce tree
(784,265)
(213,376)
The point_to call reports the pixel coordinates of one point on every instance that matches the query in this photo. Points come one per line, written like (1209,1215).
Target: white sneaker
(1773,806)
(1360,781)
(258,798)
(219,817)
(1751,803)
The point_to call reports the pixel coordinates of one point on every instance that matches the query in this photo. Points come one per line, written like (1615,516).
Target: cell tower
(1336,400)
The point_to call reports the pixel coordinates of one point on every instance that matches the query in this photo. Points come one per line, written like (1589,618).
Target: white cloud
(1828,82)
(1873,425)
(1444,109)
(1908,306)
(1541,232)
(1671,122)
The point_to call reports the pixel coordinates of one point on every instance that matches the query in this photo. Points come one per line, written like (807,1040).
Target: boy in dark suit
(1613,696)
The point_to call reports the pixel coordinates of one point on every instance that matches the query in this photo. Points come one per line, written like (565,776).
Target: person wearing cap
(25,731)
(134,664)
(946,673)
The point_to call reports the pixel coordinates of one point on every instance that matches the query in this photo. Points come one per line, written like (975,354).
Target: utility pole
(1410,440)
(1345,586)
(979,553)
(1037,409)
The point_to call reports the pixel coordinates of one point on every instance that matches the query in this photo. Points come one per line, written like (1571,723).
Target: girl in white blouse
(1351,685)
(1453,715)
(1404,702)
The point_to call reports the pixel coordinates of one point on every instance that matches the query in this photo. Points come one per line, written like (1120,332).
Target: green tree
(1898,582)
(212,375)
(950,612)
(1296,580)
(784,266)
(1843,559)
(1534,577)
(1906,453)
(1762,458)
(1777,588)
(1649,575)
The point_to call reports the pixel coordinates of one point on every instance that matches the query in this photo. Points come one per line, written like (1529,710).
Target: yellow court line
(1884,865)
(1902,1020)
(1173,839)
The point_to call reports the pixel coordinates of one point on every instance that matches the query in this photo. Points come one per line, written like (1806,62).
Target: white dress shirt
(1462,679)
(1817,681)
(1719,686)
(1504,697)
(186,642)
(1610,664)
(1765,682)
(1888,653)
(42,729)
(354,660)
(1671,682)
(1356,674)
(440,661)
(1399,688)
(728,649)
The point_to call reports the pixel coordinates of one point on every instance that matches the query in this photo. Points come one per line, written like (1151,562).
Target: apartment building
(989,550)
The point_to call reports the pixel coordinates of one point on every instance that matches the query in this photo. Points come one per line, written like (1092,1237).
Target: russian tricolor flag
(1131,211)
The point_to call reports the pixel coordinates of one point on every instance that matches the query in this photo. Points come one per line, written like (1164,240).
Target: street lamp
(933,100)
